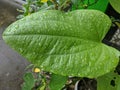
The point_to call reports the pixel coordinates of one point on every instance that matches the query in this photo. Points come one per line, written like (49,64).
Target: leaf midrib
(51,36)
(61,21)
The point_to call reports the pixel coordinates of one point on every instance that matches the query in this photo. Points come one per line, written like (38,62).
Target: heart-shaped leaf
(65,43)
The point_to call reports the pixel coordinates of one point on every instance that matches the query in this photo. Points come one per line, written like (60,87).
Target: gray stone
(12,65)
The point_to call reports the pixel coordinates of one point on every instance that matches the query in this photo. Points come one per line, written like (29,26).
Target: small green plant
(29,82)
(33,6)
(34,79)
(66,42)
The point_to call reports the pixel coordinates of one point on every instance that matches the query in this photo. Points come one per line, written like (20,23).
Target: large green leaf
(65,43)
(115,4)
(110,81)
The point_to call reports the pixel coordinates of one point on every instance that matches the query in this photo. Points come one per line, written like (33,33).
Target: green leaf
(57,82)
(43,85)
(69,44)
(115,4)
(75,2)
(29,82)
(110,81)
(92,4)
(61,1)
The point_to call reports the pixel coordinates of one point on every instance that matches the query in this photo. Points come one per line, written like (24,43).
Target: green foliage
(29,82)
(75,2)
(32,6)
(68,44)
(115,4)
(43,86)
(34,80)
(90,4)
(57,82)
(110,81)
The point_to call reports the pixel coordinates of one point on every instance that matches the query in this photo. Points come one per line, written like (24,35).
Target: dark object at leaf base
(86,84)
